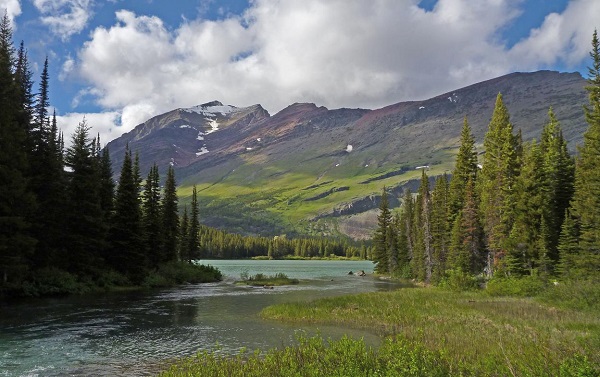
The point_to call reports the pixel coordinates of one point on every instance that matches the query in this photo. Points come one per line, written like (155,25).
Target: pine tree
(184,232)
(531,201)
(465,169)
(559,176)
(170,219)
(586,199)
(107,185)
(16,200)
(403,225)
(85,223)
(422,260)
(440,227)
(380,242)
(127,250)
(496,182)
(466,250)
(569,266)
(151,217)
(193,244)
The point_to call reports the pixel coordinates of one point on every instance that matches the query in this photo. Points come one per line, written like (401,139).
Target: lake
(134,333)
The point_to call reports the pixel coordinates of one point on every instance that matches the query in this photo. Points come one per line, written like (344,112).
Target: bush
(53,281)
(580,295)
(458,280)
(525,286)
(174,273)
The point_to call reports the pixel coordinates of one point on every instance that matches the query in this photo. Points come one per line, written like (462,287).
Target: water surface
(134,333)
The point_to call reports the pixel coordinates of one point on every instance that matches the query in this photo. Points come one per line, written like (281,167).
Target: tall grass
(318,358)
(482,334)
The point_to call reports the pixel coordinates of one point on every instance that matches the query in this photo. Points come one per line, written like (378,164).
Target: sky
(119,62)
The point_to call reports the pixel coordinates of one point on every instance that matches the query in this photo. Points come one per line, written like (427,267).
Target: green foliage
(496,180)
(263,280)
(51,281)
(174,273)
(465,169)
(586,199)
(526,286)
(316,357)
(458,280)
(578,366)
(573,294)
(384,251)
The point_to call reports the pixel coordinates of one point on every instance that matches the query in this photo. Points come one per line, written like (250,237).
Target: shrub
(580,295)
(526,286)
(458,280)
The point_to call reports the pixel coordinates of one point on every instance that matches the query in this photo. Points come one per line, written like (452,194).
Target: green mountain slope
(313,171)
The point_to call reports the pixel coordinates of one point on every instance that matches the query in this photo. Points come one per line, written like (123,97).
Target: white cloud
(103,123)
(562,37)
(65,17)
(337,53)
(12,9)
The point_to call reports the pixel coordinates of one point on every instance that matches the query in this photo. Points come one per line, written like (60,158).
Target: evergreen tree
(403,225)
(85,223)
(170,219)
(381,243)
(465,169)
(193,244)
(570,265)
(151,217)
(530,200)
(586,199)
(559,176)
(440,227)
(127,252)
(466,251)
(184,232)
(422,260)
(496,182)
(16,200)
(107,185)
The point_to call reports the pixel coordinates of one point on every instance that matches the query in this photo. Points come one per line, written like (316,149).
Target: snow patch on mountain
(202,151)
(212,109)
(214,126)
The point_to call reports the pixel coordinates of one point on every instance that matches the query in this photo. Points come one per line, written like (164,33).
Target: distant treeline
(216,243)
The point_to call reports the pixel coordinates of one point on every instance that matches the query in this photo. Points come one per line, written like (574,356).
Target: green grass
(273,199)
(318,358)
(475,332)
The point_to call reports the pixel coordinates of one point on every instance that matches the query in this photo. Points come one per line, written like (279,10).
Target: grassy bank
(474,332)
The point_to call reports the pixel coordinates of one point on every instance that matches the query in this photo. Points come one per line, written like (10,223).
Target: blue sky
(119,62)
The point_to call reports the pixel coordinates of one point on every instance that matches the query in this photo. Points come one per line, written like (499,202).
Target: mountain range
(308,170)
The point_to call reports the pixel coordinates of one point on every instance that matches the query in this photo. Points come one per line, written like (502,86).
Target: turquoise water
(135,333)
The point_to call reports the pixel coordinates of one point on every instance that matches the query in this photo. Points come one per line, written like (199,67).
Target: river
(135,333)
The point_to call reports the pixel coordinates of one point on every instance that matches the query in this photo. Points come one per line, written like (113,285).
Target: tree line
(63,219)
(524,209)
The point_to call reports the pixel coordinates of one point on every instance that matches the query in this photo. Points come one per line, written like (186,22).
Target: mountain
(314,171)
